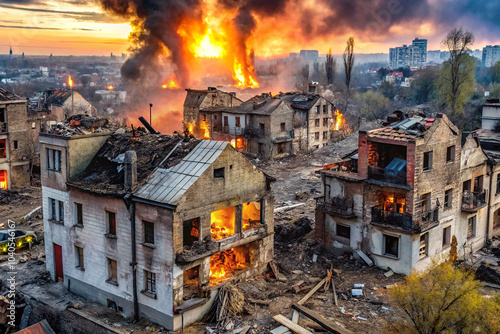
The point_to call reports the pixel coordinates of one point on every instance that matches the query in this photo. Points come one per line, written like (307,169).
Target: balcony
(237,131)
(337,206)
(255,132)
(387,175)
(404,221)
(473,200)
(283,136)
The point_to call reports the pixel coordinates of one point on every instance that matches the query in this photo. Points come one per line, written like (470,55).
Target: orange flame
(224,263)
(222,223)
(250,215)
(170,84)
(205,129)
(190,128)
(3,180)
(70,82)
(339,120)
(111,87)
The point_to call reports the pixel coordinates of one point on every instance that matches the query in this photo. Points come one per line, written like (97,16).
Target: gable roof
(263,104)
(6,95)
(168,185)
(58,98)
(195,97)
(300,101)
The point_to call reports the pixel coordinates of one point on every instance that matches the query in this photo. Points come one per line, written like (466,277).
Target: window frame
(446,242)
(316,123)
(111,223)
(78,214)
(111,279)
(54,160)
(423,248)
(283,127)
(220,173)
(450,153)
(3,142)
(471,223)
(237,122)
(448,199)
(384,250)
(427,156)
(148,232)
(79,258)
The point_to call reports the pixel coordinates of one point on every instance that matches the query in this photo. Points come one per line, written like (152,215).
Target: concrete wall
(85,148)
(313,129)
(491,115)
(282,114)
(79,105)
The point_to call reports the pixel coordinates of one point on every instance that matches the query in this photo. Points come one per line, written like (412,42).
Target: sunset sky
(80,27)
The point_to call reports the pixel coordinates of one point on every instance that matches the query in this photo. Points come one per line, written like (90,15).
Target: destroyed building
(270,127)
(409,188)
(194,121)
(151,225)
(14,144)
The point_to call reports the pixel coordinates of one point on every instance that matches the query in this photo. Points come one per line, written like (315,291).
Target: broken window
(316,122)
(316,135)
(191,231)
(191,282)
(478,183)
(325,135)
(466,185)
(422,250)
(3,120)
(149,282)
(450,153)
(283,128)
(318,109)
(325,109)
(227,263)
(427,161)
(222,223)
(391,245)
(238,122)
(281,148)
(3,179)
(344,231)
(471,227)
(325,122)
(111,223)
(261,127)
(53,160)
(446,236)
(79,258)
(15,145)
(149,232)
(56,210)
(426,202)
(251,215)
(78,214)
(3,148)
(448,198)
(112,271)
(219,173)
(226,121)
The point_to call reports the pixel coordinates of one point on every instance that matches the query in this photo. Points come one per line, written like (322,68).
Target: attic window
(219,173)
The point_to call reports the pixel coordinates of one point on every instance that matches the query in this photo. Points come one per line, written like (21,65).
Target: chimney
(130,170)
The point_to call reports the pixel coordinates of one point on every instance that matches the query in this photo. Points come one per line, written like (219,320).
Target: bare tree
(348,61)
(330,66)
(458,43)
(302,79)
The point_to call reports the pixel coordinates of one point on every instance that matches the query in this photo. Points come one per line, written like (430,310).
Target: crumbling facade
(195,121)
(153,234)
(272,127)
(14,141)
(409,189)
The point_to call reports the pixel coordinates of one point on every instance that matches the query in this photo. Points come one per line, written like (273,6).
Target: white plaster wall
(400,265)
(356,230)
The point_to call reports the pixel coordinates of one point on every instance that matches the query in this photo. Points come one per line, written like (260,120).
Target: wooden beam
(313,290)
(293,326)
(329,325)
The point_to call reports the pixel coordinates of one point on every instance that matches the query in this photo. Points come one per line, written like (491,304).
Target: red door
(58,262)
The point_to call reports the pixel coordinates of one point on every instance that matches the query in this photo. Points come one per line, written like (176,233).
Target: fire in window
(281,148)
(222,223)
(191,282)
(227,263)
(251,216)
(191,231)
(3,179)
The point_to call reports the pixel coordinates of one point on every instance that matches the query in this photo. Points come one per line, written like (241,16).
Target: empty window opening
(426,202)
(448,198)
(251,215)
(16,145)
(112,271)
(219,173)
(325,109)
(281,148)
(391,246)
(3,148)
(316,122)
(450,153)
(496,219)
(471,227)
(111,222)
(222,223)
(427,161)
(344,231)
(283,127)
(191,283)
(478,183)
(112,305)
(191,231)
(325,122)
(79,214)
(422,252)
(149,232)
(79,263)
(446,236)
(238,124)
(228,263)
(466,185)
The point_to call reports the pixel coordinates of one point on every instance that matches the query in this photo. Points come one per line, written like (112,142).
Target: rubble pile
(81,125)
(9,196)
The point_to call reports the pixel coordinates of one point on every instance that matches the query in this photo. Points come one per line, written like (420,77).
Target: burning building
(151,225)
(14,165)
(195,122)
(272,127)
(409,188)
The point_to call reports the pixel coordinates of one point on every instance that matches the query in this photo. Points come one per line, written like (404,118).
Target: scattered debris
(365,258)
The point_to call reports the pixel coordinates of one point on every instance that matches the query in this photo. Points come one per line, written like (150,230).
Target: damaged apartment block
(266,126)
(409,188)
(151,225)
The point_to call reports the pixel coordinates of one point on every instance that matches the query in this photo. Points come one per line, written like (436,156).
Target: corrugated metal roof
(168,185)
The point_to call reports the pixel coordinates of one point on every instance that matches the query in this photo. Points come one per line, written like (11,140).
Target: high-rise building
(10,53)
(309,55)
(491,55)
(414,55)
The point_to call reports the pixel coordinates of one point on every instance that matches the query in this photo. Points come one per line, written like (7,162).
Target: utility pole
(150,120)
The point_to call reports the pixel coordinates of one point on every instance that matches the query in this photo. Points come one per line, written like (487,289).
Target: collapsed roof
(6,95)
(263,104)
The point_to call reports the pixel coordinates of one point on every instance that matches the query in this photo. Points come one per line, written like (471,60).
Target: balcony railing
(284,135)
(430,216)
(473,200)
(3,127)
(387,175)
(396,219)
(237,131)
(254,132)
(338,206)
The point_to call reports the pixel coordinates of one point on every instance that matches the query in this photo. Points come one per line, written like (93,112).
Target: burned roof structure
(300,101)
(263,104)
(58,97)
(105,174)
(6,95)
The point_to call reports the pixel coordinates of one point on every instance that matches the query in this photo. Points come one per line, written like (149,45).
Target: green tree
(330,65)
(456,79)
(494,89)
(348,61)
(373,105)
(443,300)
(423,88)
